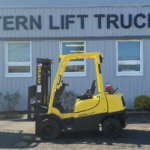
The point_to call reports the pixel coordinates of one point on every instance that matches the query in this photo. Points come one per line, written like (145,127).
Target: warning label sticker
(38,101)
(39,88)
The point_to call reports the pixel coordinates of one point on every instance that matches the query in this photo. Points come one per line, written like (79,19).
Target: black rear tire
(111,128)
(48,129)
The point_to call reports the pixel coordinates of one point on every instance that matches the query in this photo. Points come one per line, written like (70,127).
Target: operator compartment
(83,102)
(88,100)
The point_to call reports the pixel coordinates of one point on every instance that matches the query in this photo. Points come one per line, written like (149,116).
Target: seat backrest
(93,87)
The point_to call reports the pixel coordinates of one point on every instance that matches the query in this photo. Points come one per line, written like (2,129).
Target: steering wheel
(64,84)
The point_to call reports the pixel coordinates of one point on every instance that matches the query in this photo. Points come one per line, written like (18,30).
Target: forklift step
(68,128)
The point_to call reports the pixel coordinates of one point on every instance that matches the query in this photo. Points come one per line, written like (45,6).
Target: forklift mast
(43,74)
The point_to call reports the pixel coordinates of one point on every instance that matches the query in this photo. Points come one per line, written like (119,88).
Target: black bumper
(125,117)
(122,116)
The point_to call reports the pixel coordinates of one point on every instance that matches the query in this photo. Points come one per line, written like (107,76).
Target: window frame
(17,63)
(75,74)
(130,62)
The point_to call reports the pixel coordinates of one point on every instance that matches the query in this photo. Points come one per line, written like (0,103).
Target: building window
(129,58)
(18,59)
(74,67)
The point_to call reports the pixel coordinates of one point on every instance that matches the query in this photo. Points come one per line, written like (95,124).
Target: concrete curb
(24,116)
(131,113)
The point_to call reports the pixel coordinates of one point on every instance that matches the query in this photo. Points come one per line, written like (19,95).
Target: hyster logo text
(39,75)
(86,114)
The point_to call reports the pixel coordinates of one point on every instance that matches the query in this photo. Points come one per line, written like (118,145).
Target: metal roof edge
(121,37)
(76,6)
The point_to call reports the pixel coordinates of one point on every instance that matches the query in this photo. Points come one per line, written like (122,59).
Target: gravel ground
(20,134)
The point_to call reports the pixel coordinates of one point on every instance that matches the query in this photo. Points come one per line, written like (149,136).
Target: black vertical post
(29,106)
(50,78)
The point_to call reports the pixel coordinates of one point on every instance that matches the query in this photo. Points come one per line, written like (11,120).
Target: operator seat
(89,93)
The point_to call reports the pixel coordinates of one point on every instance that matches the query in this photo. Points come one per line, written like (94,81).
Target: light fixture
(76,51)
(74,45)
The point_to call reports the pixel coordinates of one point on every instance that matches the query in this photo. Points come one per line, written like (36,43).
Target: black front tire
(48,129)
(111,128)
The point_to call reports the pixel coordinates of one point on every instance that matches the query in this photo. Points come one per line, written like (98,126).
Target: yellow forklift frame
(105,109)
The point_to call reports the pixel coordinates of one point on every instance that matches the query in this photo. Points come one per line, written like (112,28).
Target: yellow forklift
(90,112)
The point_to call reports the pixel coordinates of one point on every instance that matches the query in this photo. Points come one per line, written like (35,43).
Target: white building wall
(129,86)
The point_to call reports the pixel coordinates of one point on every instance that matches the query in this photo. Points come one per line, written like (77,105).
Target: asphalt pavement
(19,134)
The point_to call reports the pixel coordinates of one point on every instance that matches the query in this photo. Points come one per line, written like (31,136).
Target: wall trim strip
(73,38)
